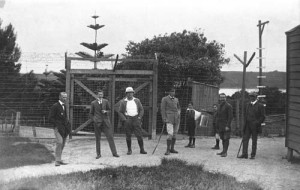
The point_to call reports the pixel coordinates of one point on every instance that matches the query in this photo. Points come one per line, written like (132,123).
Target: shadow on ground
(19,151)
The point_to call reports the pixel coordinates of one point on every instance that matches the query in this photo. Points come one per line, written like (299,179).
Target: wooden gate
(82,85)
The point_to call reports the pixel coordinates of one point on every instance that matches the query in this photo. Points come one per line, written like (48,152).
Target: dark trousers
(191,125)
(250,130)
(225,136)
(101,127)
(133,125)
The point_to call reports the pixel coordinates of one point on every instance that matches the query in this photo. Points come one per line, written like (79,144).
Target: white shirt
(100,101)
(131,108)
(62,104)
(254,102)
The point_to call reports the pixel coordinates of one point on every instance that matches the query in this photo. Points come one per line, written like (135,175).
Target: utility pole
(261,27)
(245,65)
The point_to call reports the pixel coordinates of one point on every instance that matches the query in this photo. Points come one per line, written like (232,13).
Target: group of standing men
(254,117)
(131,112)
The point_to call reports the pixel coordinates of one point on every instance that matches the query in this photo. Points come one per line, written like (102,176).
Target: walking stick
(159,138)
(239,148)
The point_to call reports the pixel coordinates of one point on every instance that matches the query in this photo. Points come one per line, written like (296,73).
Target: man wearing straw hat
(131,112)
(170,112)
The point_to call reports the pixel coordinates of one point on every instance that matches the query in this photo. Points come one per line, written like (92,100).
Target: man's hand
(166,121)
(226,128)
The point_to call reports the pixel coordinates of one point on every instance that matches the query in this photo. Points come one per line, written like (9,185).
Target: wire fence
(33,94)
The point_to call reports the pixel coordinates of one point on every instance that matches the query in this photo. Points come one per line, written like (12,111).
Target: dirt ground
(270,169)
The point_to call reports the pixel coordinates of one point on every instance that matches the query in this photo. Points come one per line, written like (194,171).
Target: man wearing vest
(170,112)
(254,117)
(131,112)
(99,113)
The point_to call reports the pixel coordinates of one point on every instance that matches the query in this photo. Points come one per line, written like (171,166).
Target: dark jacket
(259,115)
(224,117)
(58,117)
(122,108)
(96,113)
(170,110)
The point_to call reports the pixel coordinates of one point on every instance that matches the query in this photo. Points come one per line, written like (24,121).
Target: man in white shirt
(131,112)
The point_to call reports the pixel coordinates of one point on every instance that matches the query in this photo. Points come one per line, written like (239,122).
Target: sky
(46,29)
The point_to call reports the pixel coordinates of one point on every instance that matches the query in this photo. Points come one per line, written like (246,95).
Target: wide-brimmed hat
(129,89)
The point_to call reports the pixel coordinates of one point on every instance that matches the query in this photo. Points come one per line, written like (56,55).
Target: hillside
(233,79)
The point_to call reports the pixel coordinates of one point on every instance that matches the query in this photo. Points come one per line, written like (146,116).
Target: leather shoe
(116,155)
(129,152)
(188,146)
(62,163)
(252,157)
(243,156)
(215,148)
(174,151)
(98,156)
(57,164)
(224,155)
(220,153)
(143,152)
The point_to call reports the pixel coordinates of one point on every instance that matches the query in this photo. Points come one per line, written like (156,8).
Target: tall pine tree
(9,68)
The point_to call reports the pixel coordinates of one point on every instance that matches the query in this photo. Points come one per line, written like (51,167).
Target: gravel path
(269,169)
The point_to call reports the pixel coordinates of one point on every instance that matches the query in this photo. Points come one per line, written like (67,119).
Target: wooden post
(237,114)
(113,97)
(261,27)
(290,154)
(68,88)
(12,121)
(150,122)
(245,65)
(154,99)
(33,131)
(17,124)
(71,107)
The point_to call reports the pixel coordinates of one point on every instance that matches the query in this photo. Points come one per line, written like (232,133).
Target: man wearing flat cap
(131,112)
(170,112)
(254,117)
(223,123)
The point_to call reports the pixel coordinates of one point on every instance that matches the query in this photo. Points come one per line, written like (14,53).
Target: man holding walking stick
(254,117)
(170,112)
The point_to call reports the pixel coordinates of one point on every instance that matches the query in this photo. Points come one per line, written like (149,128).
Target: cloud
(2,3)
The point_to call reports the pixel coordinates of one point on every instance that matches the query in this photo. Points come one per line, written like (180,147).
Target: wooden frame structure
(147,77)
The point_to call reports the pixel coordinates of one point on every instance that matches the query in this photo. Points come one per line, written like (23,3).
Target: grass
(18,151)
(171,174)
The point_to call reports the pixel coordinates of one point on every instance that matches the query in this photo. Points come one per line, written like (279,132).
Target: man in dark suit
(223,123)
(254,117)
(58,117)
(170,112)
(99,113)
